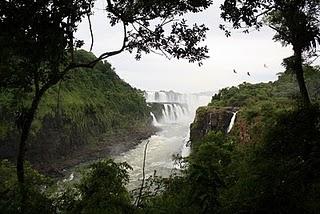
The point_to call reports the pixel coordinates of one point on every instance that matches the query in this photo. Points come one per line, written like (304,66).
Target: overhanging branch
(91,64)
(91,32)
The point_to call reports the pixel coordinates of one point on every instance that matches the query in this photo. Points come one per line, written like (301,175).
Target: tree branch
(101,57)
(265,12)
(91,64)
(36,82)
(137,202)
(91,32)
(163,53)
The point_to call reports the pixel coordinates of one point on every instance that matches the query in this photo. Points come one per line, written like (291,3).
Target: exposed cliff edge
(209,118)
(90,115)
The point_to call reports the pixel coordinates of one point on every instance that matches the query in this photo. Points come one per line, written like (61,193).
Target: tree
(38,44)
(296,23)
(102,189)
(36,41)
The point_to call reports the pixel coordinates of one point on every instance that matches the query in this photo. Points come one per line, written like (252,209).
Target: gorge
(94,115)
(234,135)
(172,114)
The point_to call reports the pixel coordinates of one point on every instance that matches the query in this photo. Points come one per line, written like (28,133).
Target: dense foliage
(101,190)
(268,164)
(38,45)
(37,200)
(83,109)
(273,169)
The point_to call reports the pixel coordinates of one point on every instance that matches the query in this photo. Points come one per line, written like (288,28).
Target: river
(178,112)
(172,138)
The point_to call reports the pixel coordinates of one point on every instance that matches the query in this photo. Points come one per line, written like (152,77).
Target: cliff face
(156,109)
(210,118)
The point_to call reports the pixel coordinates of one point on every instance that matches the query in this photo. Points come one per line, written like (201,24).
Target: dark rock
(210,118)
(156,109)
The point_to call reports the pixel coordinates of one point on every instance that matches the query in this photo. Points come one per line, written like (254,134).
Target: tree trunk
(25,130)
(298,69)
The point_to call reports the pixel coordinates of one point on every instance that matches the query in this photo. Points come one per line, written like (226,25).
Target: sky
(242,52)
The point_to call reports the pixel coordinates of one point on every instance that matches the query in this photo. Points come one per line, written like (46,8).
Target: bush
(101,190)
(281,175)
(36,200)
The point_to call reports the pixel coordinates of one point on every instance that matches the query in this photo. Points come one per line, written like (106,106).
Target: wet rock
(210,118)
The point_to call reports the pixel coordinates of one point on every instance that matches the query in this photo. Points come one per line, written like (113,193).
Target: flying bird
(264,65)
(234,71)
(248,74)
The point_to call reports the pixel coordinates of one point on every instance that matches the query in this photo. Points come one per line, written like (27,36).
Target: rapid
(178,112)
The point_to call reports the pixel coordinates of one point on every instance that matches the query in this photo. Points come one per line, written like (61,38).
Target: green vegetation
(295,22)
(38,46)
(278,173)
(100,190)
(262,103)
(37,200)
(269,163)
(87,107)
(96,97)
(284,91)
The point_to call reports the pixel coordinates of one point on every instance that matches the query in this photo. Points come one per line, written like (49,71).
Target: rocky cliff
(209,118)
(157,109)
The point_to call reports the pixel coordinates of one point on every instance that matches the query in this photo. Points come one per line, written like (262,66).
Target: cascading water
(232,121)
(177,113)
(154,120)
(185,152)
(172,113)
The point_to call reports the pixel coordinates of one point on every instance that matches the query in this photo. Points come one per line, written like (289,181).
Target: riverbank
(111,145)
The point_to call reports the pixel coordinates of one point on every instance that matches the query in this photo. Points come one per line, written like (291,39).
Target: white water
(173,113)
(154,120)
(185,152)
(172,139)
(232,122)
(70,178)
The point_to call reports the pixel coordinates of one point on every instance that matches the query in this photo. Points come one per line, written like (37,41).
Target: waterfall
(172,113)
(176,107)
(186,149)
(154,120)
(232,121)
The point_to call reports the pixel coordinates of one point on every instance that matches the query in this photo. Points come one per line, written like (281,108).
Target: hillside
(269,162)
(91,114)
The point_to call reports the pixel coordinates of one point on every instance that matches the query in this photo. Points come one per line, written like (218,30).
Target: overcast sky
(242,52)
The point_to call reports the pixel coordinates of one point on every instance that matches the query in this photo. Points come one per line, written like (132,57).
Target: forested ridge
(268,163)
(60,105)
(87,110)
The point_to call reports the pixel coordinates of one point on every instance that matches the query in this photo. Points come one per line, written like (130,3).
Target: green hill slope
(89,115)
